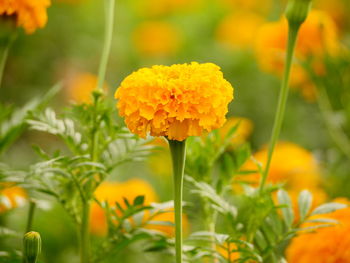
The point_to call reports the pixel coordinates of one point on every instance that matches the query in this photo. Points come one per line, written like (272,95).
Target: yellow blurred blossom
(174,101)
(262,6)
(156,38)
(292,165)
(80,87)
(151,8)
(326,244)
(317,37)
(243,131)
(112,192)
(239,29)
(11,196)
(337,9)
(28,14)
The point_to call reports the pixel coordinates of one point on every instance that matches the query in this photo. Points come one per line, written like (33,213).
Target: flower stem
(5,55)
(32,206)
(178,154)
(282,100)
(335,130)
(84,233)
(107,43)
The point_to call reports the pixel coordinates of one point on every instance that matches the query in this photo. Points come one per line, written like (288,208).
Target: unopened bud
(297,11)
(31,247)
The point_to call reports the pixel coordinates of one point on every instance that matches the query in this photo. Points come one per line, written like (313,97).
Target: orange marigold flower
(112,192)
(11,196)
(29,14)
(292,165)
(326,244)
(174,101)
(337,9)
(156,38)
(317,37)
(238,30)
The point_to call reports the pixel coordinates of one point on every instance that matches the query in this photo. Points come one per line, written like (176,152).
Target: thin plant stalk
(335,130)
(110,4)
(282,101)
(178,154)
(5,55)
(32,206)
(85,219)
(84,233)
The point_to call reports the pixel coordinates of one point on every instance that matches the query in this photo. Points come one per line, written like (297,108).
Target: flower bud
(297,11)
(31,246)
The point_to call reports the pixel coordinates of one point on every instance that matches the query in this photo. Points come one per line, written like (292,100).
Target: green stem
(282,100)
(5,55)
(178,154)
(32,206)
(84,234)
(335,130)
(107,43)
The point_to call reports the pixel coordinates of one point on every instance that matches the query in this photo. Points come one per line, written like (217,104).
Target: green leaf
(304,204)
(328,208)
(139,200)
(287,210)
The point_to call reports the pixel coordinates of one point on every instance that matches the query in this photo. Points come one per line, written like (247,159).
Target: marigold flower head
(238,30)
(317,37)
(326,244)
(174,101)
(112,192)
(156,38)
(291,164)
(337,9)
(11,196)
(28,14)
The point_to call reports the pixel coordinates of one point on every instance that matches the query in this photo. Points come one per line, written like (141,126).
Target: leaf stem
(282,100)
(178,154)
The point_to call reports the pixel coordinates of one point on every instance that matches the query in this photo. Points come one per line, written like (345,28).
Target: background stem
(178,154)
(107,43)
(84,234)
(282,100)
(5,55)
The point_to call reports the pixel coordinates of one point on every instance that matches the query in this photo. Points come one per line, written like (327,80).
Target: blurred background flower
(28,14)
(156,38)
(318,38)
(11,196)
(326,244)
(291,165)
